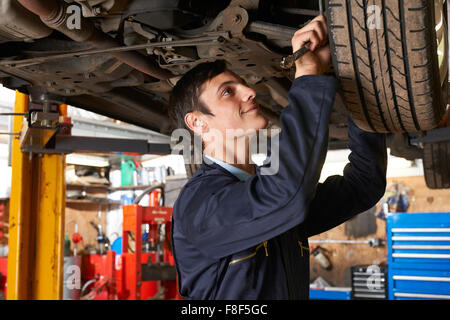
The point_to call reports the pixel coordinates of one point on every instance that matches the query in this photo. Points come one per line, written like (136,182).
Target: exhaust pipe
(54,14)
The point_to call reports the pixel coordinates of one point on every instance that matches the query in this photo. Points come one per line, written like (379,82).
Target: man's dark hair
(185,96)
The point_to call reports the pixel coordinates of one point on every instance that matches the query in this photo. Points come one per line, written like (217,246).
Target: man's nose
(248,94)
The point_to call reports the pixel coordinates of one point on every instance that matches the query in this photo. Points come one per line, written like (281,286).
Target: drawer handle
(421,255)
(421,295)
(421,278)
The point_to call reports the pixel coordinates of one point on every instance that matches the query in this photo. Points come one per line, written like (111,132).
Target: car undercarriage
(121,58)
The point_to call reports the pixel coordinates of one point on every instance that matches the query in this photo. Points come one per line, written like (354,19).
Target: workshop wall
(83,212)
(423,199)
(344,256)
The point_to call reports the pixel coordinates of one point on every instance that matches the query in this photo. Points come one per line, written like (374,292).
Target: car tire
(384,55)
(436,164)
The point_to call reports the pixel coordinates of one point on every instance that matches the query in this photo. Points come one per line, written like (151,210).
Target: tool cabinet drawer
(418,255)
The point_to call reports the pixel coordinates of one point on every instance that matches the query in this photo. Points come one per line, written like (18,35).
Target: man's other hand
(317,59)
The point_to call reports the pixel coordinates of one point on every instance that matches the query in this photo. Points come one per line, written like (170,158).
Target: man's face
(232,103)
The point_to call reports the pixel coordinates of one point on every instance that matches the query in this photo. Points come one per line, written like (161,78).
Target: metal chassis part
(64,144)
(175,43)
(436,135)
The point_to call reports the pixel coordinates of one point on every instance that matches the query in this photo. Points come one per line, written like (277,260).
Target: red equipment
(101,269)
(136,275)
(3,272)
(147,275)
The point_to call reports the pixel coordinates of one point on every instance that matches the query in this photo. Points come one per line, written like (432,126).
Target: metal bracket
(35,136)
(436,135)
(37,118)
(66,144)
(203,40)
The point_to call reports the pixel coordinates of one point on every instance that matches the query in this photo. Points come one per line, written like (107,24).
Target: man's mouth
(251,109)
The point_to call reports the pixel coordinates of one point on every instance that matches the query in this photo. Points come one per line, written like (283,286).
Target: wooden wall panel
(424,199)
(82,213)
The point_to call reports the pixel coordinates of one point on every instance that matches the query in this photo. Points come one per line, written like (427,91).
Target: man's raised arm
(340,198)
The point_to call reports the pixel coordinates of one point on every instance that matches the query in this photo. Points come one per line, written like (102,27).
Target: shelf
(94,200)
(122,188)
(176,177)
(89,186)
(108,188)
(140,187)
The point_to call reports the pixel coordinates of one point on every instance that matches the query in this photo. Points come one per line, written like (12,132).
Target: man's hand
(317,60)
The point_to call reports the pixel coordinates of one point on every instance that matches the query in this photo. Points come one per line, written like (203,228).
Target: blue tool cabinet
(418,255)
(331,293)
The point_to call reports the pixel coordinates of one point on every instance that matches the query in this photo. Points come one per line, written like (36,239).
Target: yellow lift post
(36,220)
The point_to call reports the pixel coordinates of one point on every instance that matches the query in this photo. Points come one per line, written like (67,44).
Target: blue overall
(246,237)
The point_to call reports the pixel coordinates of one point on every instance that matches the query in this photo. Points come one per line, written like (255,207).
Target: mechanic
(239,234)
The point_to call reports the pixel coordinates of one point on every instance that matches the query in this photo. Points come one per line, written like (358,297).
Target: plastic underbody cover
(18,24)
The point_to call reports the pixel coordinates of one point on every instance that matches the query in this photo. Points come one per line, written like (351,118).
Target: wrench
(288,61)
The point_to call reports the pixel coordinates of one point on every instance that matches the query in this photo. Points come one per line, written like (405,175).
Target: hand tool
(288,61)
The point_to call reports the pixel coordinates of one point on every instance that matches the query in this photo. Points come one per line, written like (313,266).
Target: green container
(126,172)
(66,245)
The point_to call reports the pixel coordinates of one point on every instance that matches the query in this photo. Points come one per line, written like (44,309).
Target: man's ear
(195,123)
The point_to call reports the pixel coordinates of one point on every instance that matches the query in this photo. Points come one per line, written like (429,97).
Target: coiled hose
(150,189)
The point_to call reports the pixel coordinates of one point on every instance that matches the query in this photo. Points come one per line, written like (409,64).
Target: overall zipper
(252,254)
(302,248)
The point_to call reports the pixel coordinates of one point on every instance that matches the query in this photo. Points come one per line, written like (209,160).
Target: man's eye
(226,92)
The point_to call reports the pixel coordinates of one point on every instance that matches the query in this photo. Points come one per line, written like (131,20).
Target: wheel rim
(440,7)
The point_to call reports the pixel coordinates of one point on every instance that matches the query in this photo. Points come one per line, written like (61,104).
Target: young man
(239,234)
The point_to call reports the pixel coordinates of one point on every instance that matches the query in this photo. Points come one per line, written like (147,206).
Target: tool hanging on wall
(321,258)
(102,240)
(76,238)
(372,242)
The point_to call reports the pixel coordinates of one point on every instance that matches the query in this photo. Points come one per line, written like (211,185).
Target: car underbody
(251,40)
(121,58)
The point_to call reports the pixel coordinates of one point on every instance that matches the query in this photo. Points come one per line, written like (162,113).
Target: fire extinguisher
(321,258)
